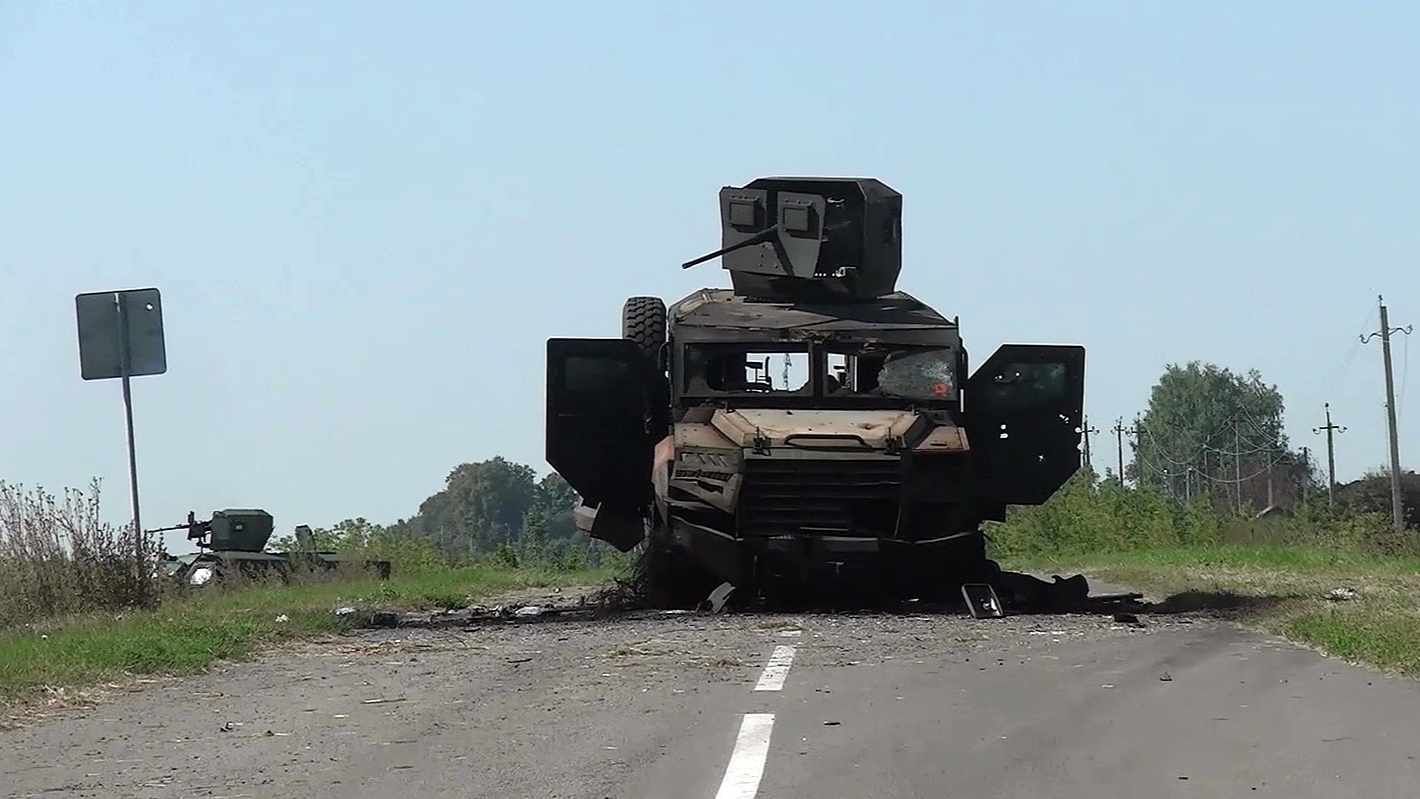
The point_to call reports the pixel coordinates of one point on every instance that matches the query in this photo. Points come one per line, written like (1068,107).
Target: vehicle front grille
(828,497)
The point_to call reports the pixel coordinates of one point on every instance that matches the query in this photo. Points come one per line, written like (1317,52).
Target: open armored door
(598,407)
(1024,408)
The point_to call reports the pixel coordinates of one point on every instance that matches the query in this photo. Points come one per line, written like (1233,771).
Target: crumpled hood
(817,428)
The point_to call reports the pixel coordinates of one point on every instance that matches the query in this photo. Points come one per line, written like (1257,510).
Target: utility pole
(1237,461)
(1330,454)
(1397,513)
(1306,473)
(1119,440)
(1087,431)
(1270,463)
(1202,471)
(1138,433)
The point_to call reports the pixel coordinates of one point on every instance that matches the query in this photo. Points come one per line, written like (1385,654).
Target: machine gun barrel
(767,235)
(194,528)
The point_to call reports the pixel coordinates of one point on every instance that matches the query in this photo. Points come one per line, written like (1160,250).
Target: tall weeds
(58,557)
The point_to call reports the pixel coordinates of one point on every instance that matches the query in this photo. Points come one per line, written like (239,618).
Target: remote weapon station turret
(811,430)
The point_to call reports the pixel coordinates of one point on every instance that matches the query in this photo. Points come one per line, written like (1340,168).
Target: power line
(1231,427)
(1271,463)
(1170,465)
(1404,370)
(1337,375)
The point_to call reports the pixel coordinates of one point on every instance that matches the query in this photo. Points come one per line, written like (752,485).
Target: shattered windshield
(919,373)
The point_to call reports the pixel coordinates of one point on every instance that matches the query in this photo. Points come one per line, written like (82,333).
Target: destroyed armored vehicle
(811,430)
(232,545)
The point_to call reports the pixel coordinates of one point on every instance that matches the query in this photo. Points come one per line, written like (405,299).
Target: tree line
(495,510)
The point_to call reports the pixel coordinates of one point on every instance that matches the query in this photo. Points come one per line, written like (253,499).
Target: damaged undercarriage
(1000,593)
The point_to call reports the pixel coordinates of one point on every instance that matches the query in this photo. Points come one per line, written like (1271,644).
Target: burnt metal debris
(232,545)
(811,434)
(611,605)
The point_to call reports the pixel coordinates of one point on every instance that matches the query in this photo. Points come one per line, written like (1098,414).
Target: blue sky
(366,218)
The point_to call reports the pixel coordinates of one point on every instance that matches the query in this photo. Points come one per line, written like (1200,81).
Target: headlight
(200,576)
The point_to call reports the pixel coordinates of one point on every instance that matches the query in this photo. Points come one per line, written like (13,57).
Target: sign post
(121,336)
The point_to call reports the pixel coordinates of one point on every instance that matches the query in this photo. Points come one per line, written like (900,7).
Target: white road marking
(747,761)
(776,670)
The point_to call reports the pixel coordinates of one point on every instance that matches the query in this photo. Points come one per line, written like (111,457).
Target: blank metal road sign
(101,339)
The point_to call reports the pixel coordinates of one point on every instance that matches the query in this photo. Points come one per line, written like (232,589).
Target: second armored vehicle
(811,430)
(232,545)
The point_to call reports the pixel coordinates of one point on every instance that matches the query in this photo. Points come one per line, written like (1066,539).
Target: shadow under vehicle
(232,545)
(811,432)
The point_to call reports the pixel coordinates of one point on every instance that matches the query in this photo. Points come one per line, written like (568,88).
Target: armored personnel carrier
(232,545)
(811,431)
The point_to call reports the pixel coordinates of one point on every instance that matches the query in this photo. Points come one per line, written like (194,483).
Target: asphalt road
(730,707)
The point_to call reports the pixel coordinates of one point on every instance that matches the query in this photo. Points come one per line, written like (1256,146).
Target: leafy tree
(481,506)
(501,510)
(533,543)
(1208,430)
(554,502)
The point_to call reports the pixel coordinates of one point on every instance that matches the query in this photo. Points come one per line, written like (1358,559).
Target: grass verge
(1364,608)
(183,636)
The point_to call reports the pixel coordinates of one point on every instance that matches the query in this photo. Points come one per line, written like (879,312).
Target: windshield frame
(691,352)
(814,394)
